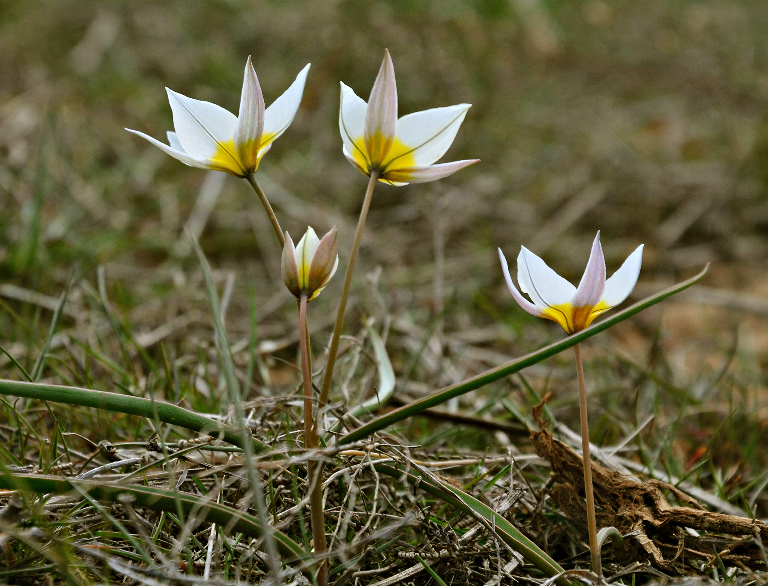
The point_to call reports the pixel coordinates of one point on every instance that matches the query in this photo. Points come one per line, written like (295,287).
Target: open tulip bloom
(554,298)
(209,137)
(400,151)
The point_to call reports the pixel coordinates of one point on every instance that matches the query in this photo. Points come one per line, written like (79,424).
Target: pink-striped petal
(425,174)
(592,284)
(381,116)
(250,120)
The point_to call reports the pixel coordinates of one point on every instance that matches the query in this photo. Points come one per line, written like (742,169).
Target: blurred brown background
(646,120)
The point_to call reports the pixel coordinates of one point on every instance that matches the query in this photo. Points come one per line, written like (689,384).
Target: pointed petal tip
(427,173)
(592,283)
(623,281)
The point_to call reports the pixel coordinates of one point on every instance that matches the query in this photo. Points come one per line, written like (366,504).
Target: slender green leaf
(431,572)
(140,406)
(470,505)
(516,365)
(16,364)
(37,369)
(227,365)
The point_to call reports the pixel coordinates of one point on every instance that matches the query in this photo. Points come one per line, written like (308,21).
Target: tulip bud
(308,266)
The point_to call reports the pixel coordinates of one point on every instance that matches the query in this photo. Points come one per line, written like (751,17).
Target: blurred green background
(646,120)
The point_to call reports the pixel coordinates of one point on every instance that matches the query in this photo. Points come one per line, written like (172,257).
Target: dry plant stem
(267,207)
(345,291)
(597,567)
(314,469)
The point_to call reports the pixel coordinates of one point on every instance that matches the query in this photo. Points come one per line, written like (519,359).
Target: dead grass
(644,120)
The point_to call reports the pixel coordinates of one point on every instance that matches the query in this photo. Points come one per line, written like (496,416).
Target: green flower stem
(328,376)
(157,499)
(140,406)
(314,468)
(474,383)
(267,207)
(594,550)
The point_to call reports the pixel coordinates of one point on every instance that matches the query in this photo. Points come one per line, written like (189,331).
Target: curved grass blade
(37,369)
(517,365)
(157,499)
(165,412)
(470,505)
(617,542)
(386,388)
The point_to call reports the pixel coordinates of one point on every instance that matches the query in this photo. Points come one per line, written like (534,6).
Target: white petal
(430,133)
(544,286)
(592,283)
(202,128)
(174,152)
(521,301)
(425,174)
(623,281)
(281,113)
(305,250)
(381,116)
(173,140)
(352,120)
(250,120)
(333,270)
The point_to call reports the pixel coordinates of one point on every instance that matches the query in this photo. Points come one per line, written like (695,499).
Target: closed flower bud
(308,266)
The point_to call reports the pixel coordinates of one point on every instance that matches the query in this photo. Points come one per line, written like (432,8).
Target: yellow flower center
(226,159)
(399,156)
(574,319)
